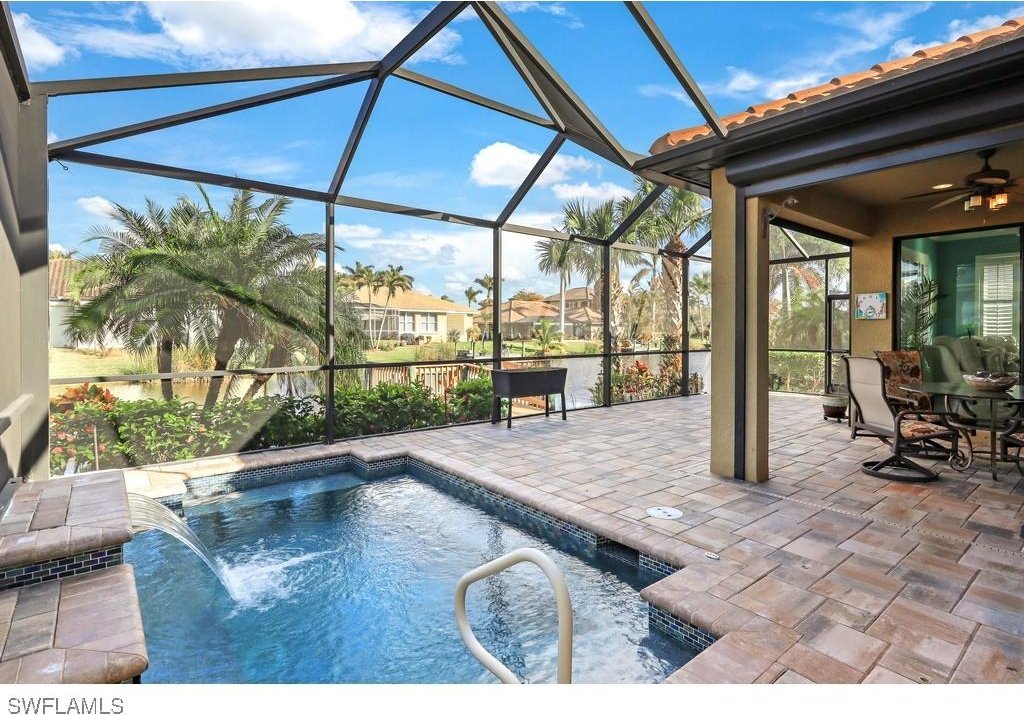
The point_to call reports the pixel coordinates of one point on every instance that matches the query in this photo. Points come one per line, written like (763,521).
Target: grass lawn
(65,362)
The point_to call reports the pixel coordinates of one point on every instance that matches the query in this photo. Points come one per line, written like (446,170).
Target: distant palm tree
(486,281)
(547,337)
(700,304)
(472,294)
(360,276)
(393,279)
(559,258)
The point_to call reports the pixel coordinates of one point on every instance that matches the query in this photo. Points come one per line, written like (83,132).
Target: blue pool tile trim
(56,569)
(502,506)
(663,621)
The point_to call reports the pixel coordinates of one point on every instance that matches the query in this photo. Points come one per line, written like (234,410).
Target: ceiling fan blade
(940,192)
(948,201)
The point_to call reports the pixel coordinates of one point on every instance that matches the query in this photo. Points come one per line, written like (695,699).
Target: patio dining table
(952,392)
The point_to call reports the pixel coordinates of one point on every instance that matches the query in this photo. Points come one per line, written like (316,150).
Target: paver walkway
(825,574)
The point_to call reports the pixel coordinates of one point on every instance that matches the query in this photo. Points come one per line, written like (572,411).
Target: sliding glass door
(959,301)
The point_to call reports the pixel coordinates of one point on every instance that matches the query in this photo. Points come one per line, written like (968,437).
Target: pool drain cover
(664,512)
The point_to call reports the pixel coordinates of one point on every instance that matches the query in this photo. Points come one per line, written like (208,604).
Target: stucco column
(739,334)
(33,250)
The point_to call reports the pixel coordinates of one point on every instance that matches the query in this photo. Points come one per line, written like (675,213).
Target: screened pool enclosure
(204,324)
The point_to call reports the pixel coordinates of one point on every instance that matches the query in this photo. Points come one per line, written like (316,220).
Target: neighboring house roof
(410,300)
(584,315)
(61,272)
(581,293)
(531,311)
(925,57)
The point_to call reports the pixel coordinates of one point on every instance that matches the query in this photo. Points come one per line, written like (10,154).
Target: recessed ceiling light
(940,187)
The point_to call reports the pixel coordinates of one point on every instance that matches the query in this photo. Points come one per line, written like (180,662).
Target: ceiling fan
(987,186)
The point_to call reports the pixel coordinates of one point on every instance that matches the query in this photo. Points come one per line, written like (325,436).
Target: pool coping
(721,632)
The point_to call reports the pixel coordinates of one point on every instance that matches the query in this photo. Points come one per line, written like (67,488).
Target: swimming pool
(345,580)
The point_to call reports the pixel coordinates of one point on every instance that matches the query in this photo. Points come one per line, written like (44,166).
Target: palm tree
(393,280)
(679,214)
(558,257)
(548,339)
(472,294)
(486,281)
(144,303)
(699,299)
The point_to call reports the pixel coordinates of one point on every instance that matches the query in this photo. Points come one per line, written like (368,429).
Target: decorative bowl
(991,384)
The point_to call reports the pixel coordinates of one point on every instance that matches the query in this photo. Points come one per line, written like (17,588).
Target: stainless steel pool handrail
(557,581)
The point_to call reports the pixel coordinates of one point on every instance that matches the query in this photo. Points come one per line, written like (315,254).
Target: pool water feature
(338,579)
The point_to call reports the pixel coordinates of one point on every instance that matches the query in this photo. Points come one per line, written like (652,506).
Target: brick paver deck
(825,574)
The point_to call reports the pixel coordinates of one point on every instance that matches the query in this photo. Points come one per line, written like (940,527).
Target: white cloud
(250,34)
(57,248)
(571,20)
(538,219)
(955,29)
(356,230)
(95,205)
(40,51)
(661,90)
(863,30)
(591,192)
(52,137)
(504,164)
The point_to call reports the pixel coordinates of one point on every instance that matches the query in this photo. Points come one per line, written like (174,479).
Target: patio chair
(908,432)
(900,367)
(1012,436)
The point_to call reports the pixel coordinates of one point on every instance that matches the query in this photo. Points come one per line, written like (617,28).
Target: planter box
(529,382)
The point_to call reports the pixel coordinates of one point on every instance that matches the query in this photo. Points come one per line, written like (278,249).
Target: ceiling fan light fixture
(973,202)
(998,201)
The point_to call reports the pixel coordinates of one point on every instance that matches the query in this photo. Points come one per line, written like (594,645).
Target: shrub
(471,400)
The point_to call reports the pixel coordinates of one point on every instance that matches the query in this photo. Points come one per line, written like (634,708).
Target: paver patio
(825,574)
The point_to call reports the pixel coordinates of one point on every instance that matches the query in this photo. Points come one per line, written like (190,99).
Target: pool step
(80,629)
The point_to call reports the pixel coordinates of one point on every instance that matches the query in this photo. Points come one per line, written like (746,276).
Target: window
(428,323)
(405,323)
(997,295)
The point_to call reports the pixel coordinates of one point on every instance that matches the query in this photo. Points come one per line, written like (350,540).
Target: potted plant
(834,403)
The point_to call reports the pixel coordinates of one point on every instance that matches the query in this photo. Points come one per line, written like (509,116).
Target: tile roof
(61,272)
(925,57)
(411,300)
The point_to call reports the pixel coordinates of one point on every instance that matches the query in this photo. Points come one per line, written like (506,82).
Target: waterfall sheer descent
(148,513)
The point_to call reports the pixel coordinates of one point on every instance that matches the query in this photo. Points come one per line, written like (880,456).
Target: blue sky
(423,148)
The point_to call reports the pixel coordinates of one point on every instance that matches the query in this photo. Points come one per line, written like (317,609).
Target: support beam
(739,342)
(202,177)
(216,110)
(59,88)
(682,75)
(421,34)
(234,182)
(634,215)
(496,337)
(356,135)
(459,93)
(699,244)
(792,239)
(430,214)
(10,54)
(531,179)
(32,241)
(606,311)
(329,319)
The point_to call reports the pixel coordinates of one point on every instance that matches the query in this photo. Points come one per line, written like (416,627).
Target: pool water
(344,580)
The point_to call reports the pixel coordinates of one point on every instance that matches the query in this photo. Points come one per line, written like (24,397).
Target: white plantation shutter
(998,304)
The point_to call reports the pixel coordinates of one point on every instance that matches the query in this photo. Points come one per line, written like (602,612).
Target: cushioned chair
(900,367)
(908,432)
